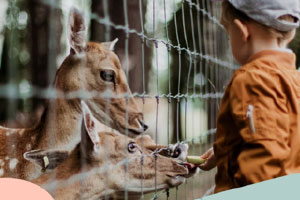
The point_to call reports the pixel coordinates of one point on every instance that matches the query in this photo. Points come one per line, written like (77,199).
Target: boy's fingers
(208,165)
(205,155)
(210,160)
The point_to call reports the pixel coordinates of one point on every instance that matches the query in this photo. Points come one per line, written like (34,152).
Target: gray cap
(267,12)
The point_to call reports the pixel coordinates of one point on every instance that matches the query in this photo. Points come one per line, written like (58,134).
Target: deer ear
(46,159)
(89,130)
(77,31)
(110,45)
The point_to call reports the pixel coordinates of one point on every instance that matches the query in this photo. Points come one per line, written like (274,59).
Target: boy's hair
(229,13)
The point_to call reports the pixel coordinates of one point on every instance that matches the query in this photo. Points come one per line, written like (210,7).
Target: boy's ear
(243,29)
(46,159)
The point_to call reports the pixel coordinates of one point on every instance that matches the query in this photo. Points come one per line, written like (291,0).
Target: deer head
(97,166)
(95,68)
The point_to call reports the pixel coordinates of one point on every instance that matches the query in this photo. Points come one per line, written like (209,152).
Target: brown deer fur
(59,128)
(96,169)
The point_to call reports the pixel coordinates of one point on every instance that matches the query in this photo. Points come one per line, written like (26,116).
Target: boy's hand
(210,160)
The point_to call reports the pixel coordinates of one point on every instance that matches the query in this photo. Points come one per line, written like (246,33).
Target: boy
(258,125)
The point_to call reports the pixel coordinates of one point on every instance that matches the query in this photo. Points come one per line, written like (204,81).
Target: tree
(31,46)
(100,32)
(199,34)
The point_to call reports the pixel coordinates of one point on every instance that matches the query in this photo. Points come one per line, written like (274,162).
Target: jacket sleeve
(258,106)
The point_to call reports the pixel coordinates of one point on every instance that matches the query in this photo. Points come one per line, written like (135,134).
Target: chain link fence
(175,54)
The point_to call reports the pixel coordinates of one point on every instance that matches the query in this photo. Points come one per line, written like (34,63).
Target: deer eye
(108,75)
(132,147)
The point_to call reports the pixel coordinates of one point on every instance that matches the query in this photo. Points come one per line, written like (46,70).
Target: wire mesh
(175,55)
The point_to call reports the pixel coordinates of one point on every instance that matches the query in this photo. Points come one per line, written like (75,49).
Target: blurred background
(175,53)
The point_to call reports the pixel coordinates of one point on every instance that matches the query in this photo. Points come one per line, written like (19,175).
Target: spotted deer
(90,67)
(96,168)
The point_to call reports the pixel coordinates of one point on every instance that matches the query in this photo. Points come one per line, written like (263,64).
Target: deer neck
(74,180)
(61,126)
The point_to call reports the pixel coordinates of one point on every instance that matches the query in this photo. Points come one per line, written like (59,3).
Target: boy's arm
(259,109)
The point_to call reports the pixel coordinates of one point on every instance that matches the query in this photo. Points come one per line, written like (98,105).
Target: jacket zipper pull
(249,115)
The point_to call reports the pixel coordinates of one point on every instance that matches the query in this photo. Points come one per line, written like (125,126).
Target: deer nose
(180,151)
(143,125)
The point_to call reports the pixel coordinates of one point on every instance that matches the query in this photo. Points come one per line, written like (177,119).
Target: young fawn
(96,168)
(90,67)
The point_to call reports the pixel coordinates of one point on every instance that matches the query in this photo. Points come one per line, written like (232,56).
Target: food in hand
(197,160)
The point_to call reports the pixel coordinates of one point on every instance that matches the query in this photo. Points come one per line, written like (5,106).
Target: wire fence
(175,55)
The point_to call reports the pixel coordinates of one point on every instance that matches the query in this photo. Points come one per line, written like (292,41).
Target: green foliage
(295,46)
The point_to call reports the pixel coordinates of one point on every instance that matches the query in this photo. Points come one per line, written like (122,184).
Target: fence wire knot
(157,99)
(155,43)
(169,98)
(142,38)
(179,50)
(206,62)
(168,46)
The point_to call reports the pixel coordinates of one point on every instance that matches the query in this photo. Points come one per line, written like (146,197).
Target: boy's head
(254,23)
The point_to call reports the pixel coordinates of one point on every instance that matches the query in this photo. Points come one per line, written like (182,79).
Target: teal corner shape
(282,188)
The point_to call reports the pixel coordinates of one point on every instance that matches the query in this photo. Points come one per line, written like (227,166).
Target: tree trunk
(46,30)
(101,33)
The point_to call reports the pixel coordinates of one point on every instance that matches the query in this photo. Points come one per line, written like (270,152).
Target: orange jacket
(258,125)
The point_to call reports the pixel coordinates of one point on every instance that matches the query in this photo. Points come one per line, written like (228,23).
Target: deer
(90,67)
(96,167)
